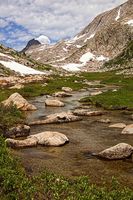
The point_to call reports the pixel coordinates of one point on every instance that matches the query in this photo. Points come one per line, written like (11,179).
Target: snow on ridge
(118,15)
(4,55)
(91,36)
(130,22)
(64,49)
(75,39)
(22,69)
(78,46)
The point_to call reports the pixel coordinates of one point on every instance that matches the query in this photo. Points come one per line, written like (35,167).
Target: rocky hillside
(103,39)
(123,63)
(15,63)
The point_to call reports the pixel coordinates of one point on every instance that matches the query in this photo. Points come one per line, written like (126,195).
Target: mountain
(35,42)
(15,63)
(31,44)
(103,39)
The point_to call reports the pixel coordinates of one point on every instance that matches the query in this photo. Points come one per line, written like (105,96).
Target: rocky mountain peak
(103,39)
(30,44)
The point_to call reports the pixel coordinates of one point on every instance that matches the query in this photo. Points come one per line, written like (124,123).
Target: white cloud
(3,23)
(43,39)
(55,18)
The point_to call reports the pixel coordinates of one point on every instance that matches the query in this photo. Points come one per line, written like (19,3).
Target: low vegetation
(15,184)
(9,116)
(120,98)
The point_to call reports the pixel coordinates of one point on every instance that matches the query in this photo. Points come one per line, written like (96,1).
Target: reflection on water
(86,137)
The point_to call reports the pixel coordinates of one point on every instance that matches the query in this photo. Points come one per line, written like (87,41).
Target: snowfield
(4,55)
(87,57)
(22,69)
(90,56)
(73,67)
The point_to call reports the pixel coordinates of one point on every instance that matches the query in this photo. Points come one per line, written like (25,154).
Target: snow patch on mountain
(73,67)
(87,57)
(118,15)
(64,49)
(78,46)
(91,36)
(90,56)
(22,69)
(4,55)
(102,58)
(43,39)
(130,22)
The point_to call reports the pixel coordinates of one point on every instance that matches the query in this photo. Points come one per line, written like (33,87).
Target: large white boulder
(21,103)
(49,138)
(119,151)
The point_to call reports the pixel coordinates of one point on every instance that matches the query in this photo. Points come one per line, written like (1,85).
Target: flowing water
(86,136)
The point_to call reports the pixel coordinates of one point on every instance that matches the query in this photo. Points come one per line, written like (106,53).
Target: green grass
(121,98)
(9,116)
(36,89)
(15,184)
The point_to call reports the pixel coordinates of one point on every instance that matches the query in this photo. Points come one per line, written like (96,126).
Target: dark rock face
(31,43)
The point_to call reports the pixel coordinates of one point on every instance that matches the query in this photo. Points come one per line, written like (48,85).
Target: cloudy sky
(22,20)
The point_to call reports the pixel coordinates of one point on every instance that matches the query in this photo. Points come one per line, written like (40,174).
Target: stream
(86,136)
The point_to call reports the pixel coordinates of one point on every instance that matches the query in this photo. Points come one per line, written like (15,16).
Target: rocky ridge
(103,39)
